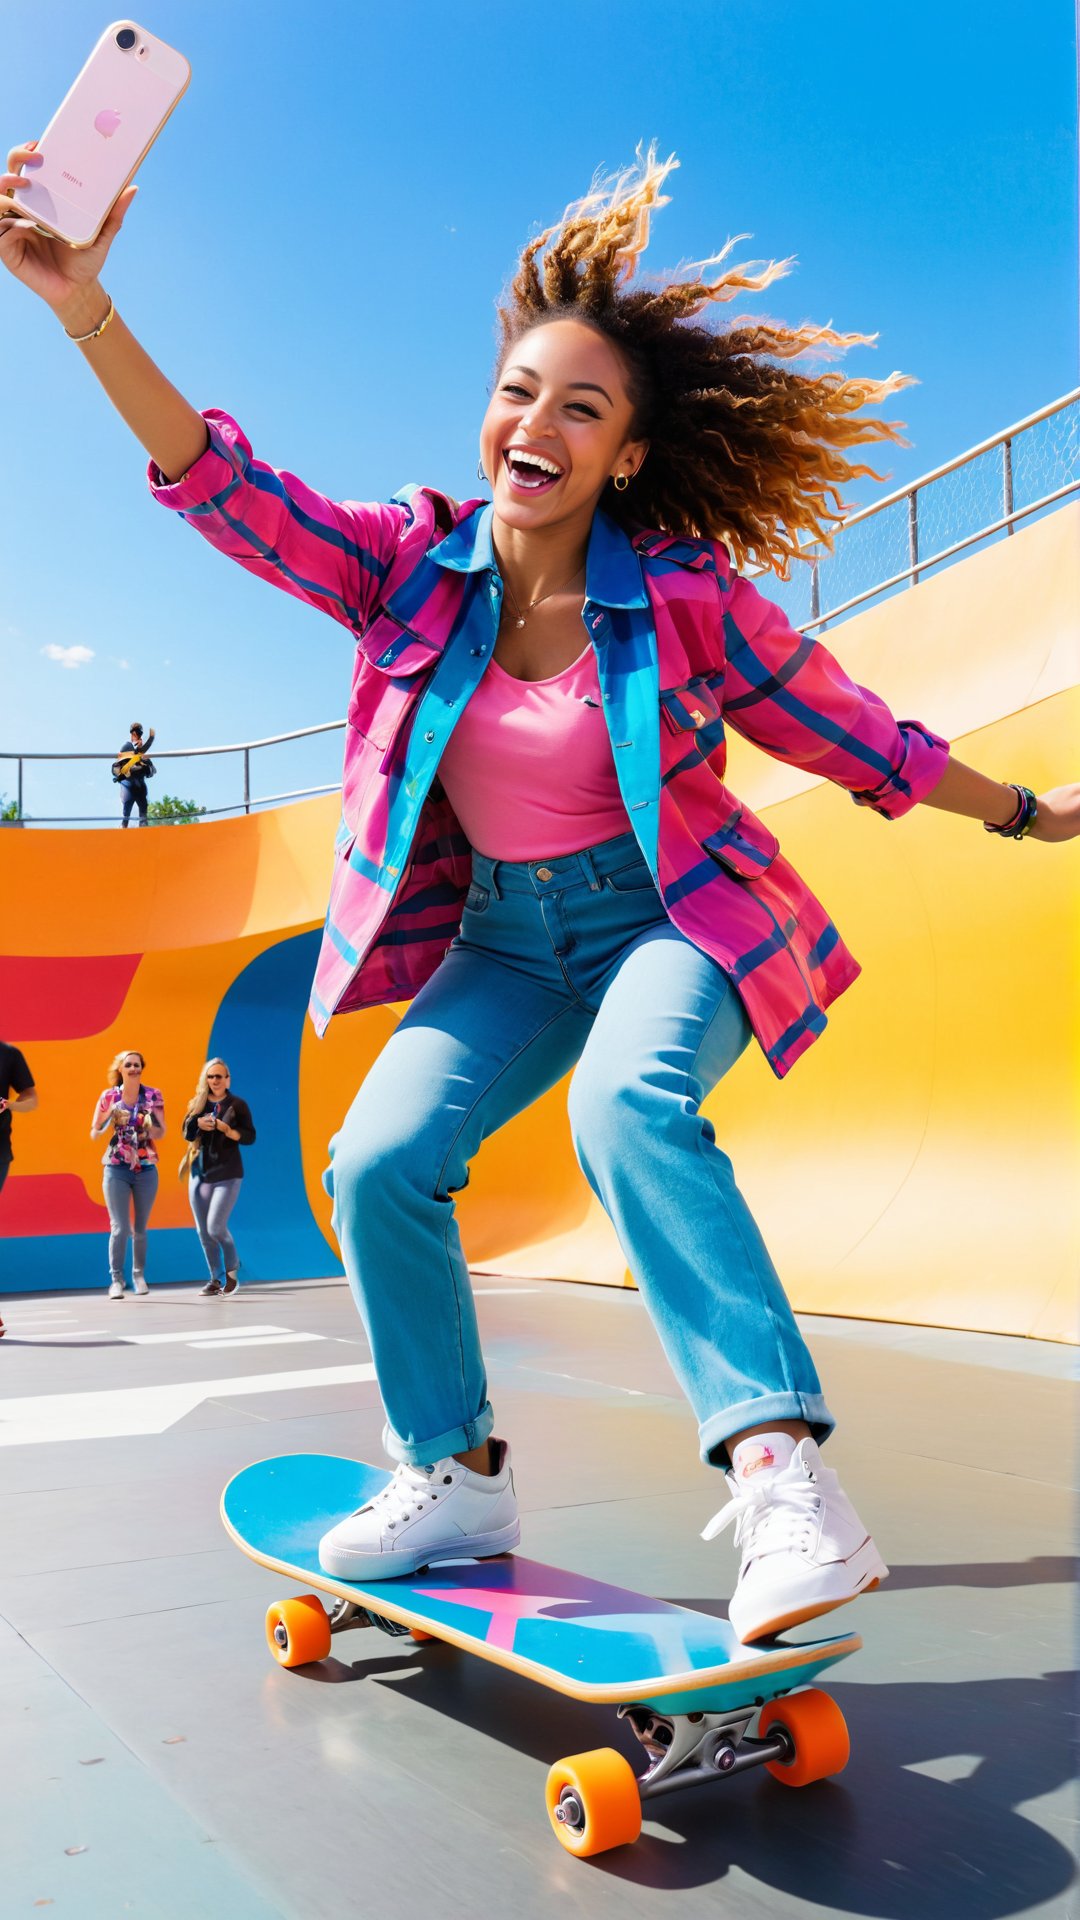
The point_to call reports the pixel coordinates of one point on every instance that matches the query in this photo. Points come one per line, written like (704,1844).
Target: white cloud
(68,656)
(124,665)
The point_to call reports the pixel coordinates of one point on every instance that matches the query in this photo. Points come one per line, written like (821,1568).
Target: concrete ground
(155,1762)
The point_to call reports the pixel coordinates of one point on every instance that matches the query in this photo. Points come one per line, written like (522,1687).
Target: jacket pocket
(391,661)
(744,845)
(694,706)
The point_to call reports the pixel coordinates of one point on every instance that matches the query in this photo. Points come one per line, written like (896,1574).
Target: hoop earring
(480,474)
(620,482)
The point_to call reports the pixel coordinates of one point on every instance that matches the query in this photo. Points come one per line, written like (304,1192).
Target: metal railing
(244,748)
(897,540)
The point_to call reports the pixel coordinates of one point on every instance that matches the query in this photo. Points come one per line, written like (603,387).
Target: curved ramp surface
(914,1167)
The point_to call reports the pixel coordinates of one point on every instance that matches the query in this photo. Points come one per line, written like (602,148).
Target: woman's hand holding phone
(66,278)
(152,77)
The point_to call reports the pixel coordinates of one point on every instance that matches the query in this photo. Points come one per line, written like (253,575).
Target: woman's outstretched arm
(67,280)
(173,432)
(963,790)
(331,555)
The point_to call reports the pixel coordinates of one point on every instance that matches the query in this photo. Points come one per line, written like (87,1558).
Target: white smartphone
(101,132)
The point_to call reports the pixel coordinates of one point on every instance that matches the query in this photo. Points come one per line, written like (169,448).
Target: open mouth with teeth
(530,472)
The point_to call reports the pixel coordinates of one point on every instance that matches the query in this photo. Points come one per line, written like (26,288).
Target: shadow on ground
(887,1839)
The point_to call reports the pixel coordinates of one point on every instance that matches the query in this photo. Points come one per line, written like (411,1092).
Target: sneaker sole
(483,1547)
(794,1617)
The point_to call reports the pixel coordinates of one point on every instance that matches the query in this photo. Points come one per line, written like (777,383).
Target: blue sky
(326,221)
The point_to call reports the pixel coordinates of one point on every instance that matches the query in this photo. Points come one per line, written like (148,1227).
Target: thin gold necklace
(540,598)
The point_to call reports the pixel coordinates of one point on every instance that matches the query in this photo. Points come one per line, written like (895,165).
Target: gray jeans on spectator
(212,1201)
(128,1191)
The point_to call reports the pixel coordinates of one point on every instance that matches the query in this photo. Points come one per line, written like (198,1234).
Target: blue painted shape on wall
(79,1262)
(258,1030)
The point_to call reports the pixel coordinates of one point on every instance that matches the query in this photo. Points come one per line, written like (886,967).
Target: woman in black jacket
(217,1124)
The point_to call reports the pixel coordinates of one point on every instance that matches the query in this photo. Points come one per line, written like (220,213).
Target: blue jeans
(128,1191)
(212,1201)
(134,792)
(566,963)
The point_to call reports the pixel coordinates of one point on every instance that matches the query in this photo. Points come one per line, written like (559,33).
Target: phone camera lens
(126,38)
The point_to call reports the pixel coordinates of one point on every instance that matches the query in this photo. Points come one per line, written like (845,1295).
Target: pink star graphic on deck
(506,1609)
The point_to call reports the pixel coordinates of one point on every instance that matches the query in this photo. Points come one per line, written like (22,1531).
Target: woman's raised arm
(66,279)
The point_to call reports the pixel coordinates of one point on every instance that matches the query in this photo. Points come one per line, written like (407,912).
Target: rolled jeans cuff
(455,1440)
(719,1427)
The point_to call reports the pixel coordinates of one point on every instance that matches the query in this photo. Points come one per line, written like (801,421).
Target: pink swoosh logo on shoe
(753,1461)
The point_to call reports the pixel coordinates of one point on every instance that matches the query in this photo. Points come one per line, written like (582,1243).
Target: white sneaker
(804,1548)
(425,1515)
(139,1283)
(116,1290)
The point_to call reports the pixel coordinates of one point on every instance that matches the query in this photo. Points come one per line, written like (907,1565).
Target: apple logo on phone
(107,122)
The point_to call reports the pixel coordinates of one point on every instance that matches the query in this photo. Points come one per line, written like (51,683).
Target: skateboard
(687,1688)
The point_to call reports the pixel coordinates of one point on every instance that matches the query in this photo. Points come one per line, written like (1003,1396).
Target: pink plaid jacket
(685,648)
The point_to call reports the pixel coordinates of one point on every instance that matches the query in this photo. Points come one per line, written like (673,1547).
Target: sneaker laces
(408,1493)
(772,1515)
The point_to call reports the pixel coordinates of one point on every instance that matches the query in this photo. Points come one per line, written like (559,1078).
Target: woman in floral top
(133,1117)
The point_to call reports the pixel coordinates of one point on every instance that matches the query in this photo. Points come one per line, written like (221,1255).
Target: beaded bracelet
(1027,812)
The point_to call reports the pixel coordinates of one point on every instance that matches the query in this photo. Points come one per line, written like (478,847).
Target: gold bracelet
(80,339)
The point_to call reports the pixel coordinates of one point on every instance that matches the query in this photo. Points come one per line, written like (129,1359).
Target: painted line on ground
(218,1344)
(198,1333)
(507,1289)
(118,1412)
(227,1336)
(66,1333)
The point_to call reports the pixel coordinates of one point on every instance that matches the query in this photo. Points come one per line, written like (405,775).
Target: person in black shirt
(18,1094)
(133,767)
(217,1124)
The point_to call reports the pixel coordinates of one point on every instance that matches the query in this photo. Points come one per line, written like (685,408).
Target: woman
(217,1124)
(534,780)
(133,1117)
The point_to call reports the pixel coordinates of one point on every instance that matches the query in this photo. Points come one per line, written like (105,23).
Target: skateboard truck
(348,1614)
(687,1749)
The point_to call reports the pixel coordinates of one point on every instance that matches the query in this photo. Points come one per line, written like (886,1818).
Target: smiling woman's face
(558,426)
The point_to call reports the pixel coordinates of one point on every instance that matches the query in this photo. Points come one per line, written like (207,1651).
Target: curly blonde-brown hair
(744,446)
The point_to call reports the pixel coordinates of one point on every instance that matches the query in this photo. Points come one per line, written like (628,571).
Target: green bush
(172,811)
(9,809)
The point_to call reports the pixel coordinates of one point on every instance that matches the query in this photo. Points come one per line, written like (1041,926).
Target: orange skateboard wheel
(420,1636)
(818,1733)
(298,1631)
(593,1802)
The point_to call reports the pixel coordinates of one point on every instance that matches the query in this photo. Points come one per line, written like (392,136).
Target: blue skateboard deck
(566,1631)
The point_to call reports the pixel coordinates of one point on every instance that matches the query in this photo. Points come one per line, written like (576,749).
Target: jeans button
(543,873)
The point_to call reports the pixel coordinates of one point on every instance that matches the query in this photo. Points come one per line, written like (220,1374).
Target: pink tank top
(529,769)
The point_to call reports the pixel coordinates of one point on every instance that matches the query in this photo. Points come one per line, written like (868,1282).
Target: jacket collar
(612,568)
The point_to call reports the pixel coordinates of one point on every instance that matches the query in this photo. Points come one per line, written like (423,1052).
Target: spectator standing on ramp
(132,768)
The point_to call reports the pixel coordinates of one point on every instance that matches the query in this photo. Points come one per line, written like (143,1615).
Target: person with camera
(216,1125)
(133,1117)
(131,769)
